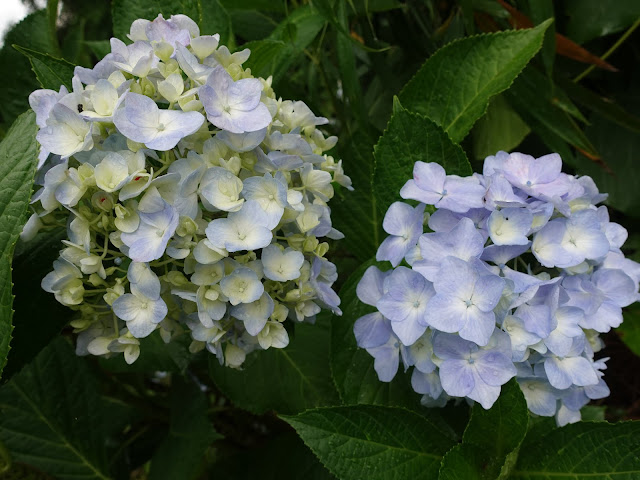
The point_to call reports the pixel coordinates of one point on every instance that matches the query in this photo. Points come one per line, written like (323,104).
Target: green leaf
(589,19)
(180,455)
(499,431)
(280,458)
(500,128)
(51,72)
(214,18)
(18,160)
(373,442)
(464,462)
(454,86)
(593,450)
(411,137)
(31,262)
(51,416)
(355,213)
(286,380)
(52,17)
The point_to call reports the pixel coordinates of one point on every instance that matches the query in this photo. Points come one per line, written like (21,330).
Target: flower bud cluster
(515,275)
(195,201)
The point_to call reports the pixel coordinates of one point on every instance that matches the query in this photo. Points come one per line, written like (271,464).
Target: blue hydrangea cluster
(194,199)
(516,274)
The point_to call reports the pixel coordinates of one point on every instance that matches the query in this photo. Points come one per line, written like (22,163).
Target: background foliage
(570,84)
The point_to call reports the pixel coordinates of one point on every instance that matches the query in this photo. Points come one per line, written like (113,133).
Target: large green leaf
(190,433)
(51,416)
(496,434)
(500,129)
(589,19)
(373,442)
(18,160)
(51,72)
(352,367)
(584,450)
(454,86)
(286,380)
(411,137)
(355,213)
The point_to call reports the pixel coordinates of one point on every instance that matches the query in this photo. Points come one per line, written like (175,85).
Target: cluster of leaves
(173,415)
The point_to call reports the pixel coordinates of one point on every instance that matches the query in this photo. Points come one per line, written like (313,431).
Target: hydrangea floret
(515,273)
(195,200)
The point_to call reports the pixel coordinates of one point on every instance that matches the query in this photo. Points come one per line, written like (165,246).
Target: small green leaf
(501,128)
(18,160)
(373,442)
(51,72)
(51,416)
(286,380)
(454,86)
(584,450)
(190,433)
(411,137)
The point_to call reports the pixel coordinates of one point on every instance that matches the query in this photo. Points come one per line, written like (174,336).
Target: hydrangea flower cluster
(194,200)
(516,275)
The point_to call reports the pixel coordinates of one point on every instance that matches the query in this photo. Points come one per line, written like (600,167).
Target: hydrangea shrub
(194,199)
(515,273)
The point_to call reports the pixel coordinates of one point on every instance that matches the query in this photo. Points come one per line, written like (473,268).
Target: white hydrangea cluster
(193,198)
(515,274)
